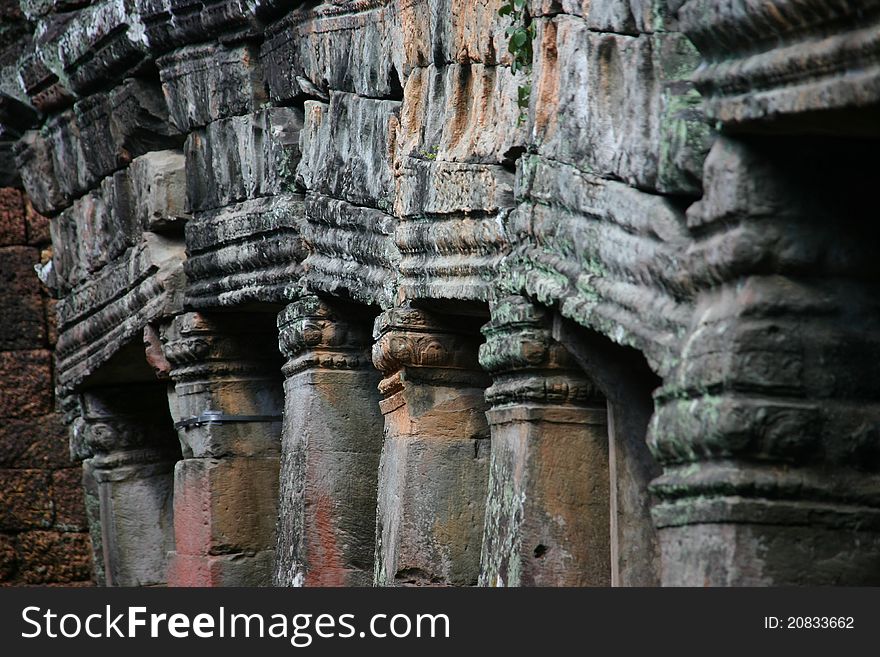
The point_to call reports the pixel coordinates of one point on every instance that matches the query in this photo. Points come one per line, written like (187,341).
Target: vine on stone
(520,34)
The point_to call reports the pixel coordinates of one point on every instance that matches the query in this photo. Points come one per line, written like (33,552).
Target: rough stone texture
(350,149)
(619,106)
(126,432)
(781,418)
(249,251)
(205,83)
(242,157)
(671,193)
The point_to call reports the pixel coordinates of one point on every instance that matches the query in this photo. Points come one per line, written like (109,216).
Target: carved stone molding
(312,333)
(426,348)
(785,59)
(526,363)
(200,346)
(125,425)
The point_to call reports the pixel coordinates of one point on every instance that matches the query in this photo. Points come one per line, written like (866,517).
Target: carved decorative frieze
(250,251)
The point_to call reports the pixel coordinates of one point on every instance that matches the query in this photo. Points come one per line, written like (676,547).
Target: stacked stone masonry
(347,296)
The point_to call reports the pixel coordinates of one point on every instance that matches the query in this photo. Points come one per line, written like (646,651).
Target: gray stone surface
(679,185)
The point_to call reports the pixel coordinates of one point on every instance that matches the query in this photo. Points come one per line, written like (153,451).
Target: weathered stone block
(433,471)
(102,234)
(67,499)
(782,64)
(631,17)
(242,157)
(33,443)
(70,165)
(158,186)
(432,487)
(136,516)
(351,250)
(45,91)
(348,149)
(34,158)
(461,113)
(751,554)
(113,307)
(625,248)
(225,505)
(330,449)
(425,187)
(27,391)
(429,270)
(37,225)
(547,512)
(92,140)
(205,83)
(96,44)
(619,106)
(331,47)
(249,251)
(36,8)
(442,31)
(221,570)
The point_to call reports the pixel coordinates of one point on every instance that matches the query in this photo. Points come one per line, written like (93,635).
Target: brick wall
(43,532)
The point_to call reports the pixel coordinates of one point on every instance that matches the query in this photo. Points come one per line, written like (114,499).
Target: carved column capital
(122,427)
(417,345)
(199,346)
(526,363)
(312,333)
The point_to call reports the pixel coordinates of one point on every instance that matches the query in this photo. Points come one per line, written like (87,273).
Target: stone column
(331,440)
(768,428)
(547,513)
(129,481)
(434,466)
(226,405)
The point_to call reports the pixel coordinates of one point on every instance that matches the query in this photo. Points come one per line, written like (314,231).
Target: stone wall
(353,292)
(43,527)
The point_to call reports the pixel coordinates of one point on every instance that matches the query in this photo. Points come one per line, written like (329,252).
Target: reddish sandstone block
(53,557)
(27,383)
(221,570)
(23,324)
(12,217)
(225,505)
(25,502)
(67,495)
(40,442)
